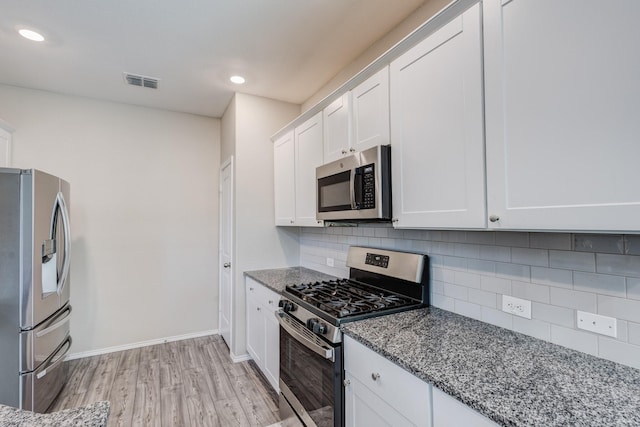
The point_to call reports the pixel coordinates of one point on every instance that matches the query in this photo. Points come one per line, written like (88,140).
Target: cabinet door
(365,408)
(381,393)
(284,179)
(437,152)
(562,102)
(272,349)
(308,141)
(371,111)
(448,412)
(255,330)
(337,128)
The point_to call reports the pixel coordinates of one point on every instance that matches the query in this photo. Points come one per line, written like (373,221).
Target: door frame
(227,163)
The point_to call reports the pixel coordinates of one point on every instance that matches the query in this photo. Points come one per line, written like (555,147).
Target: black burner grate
(343,297)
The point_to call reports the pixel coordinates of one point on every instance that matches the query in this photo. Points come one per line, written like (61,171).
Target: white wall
(258,243)
(144,211)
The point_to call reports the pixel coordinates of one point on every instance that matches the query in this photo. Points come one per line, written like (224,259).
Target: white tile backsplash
(471,270)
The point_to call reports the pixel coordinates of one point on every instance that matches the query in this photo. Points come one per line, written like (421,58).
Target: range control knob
(286,306)
(316,326)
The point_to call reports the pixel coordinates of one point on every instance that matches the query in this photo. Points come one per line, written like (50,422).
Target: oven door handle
(326,353)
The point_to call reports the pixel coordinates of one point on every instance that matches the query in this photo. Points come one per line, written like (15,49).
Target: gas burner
(345,297)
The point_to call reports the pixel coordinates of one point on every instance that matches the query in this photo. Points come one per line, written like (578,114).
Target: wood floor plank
(183,383)
(174,410)
(230,413)
(147,402)
(123,392)
(254,404)
(102,379)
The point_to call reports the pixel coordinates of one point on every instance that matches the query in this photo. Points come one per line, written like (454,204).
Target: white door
(562,102)
(5,148)
(226,250)
(437,152)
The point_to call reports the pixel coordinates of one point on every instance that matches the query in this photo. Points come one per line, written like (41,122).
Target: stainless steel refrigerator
(34,287)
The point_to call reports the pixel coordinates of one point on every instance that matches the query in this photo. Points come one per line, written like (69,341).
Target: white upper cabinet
(562,103)
(359,119)
(296,155)
(308,156)
(336,118)
(370,102)
(284,179)
(437,149)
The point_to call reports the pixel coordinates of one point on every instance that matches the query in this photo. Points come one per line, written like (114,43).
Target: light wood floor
(183,383)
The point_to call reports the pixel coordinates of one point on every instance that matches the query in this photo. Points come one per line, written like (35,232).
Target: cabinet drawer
(403,391)
(263,295)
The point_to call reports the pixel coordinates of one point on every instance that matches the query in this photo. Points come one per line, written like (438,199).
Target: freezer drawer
(39,388)
(38,344)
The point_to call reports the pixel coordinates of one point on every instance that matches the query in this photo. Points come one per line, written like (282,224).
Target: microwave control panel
(368,187)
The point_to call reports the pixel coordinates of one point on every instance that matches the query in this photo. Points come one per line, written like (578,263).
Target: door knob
(494,218)
(375,376)
(226,265)
(353,150)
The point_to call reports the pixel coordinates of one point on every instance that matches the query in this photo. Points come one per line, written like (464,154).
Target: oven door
(310,375)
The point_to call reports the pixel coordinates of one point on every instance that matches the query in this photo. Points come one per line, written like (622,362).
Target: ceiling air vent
(142,81)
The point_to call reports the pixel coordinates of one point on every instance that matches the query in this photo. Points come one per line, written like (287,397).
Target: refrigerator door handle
(55,359)
(67,242)
(56,325)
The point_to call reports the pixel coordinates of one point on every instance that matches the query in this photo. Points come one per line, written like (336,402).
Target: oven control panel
(377,260)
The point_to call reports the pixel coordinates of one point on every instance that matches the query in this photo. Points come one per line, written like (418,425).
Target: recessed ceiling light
(31,35)
(237,80)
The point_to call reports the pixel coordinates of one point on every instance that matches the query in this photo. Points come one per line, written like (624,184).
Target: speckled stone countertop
(278,278)
(95,415)
(513,379)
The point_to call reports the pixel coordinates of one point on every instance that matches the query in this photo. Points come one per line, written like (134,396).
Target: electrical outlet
(517,306)
(330,261)
(596,323)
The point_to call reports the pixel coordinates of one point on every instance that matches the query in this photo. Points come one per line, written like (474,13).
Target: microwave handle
(352,191)
(356,189)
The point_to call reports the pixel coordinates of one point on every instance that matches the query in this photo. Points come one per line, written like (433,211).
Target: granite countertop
(276,279)
(94,415)
(513,379)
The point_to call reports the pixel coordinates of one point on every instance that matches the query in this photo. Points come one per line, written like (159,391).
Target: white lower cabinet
(263,331)
(379,393)
(449,412)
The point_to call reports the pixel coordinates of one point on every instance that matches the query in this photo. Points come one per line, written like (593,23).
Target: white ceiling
(286,49)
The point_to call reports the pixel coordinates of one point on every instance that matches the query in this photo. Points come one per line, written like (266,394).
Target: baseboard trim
(147,343)
(240,358)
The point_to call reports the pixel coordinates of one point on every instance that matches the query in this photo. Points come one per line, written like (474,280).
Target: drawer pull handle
(375,376)
(494,218)
(270,302)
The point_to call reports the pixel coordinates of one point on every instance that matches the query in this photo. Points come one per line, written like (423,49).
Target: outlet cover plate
(596,323)
(516,306)
(330,261)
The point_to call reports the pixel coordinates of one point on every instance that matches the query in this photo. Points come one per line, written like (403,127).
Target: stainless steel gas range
(311,370)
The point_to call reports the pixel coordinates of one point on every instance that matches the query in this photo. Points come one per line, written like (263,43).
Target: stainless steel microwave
(356,187)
